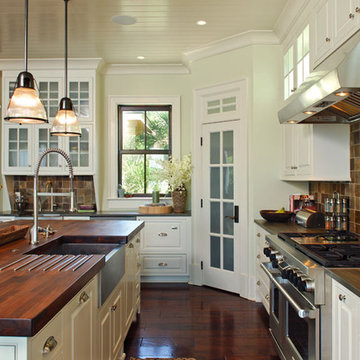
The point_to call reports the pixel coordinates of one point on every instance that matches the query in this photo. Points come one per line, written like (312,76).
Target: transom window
(144,140)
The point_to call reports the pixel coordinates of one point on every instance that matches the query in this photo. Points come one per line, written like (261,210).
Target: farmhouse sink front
(110,274)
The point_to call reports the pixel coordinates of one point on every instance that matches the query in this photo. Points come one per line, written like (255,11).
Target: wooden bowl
(272,215)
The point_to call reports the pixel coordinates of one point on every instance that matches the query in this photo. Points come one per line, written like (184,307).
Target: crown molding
(50,64)
(294,12)
(144,69)
(247,38)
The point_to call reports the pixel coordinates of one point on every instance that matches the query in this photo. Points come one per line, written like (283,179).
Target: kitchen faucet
(35,229)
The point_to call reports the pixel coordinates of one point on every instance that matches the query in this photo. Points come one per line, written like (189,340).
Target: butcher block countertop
(29,299)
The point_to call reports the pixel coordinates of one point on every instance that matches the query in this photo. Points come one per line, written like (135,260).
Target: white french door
(223,167)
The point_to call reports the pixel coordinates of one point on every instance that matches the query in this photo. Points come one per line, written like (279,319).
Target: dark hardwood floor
(180,320)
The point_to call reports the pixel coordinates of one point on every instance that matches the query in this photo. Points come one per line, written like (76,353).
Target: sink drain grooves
(41,263)
(37,258)
(69,262)
(14,262)
(57,259)
(68,259)
(80,263)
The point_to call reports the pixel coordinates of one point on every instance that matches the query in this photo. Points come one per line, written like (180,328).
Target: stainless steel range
(298,293)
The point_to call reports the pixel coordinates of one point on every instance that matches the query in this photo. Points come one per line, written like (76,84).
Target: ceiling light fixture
(141,57)
(291,122)
(66,122)
(342,93)
(24,105)
(309,112)
(201,22)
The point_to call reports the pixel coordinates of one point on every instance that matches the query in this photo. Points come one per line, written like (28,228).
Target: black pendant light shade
(66,122)
(24,105)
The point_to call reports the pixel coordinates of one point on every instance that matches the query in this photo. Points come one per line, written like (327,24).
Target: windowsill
(132,203)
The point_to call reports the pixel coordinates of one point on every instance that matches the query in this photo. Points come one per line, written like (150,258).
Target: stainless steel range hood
(335,98)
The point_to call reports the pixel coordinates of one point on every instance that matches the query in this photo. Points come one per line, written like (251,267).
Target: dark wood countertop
(28,300)
(275,228)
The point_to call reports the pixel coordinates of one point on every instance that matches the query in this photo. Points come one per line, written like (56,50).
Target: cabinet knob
(357,9)
(327,39)
(84,297)
(258,234)
(258,256)
(174,228)
(258,283)
(351,16)
(138,240)
(131,246)
(50,345)
(113,308)
(293,90)
(267,297)
(162,264)
(342,297)
(162,234)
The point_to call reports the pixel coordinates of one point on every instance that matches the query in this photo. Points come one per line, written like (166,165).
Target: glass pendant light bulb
(24,105)
(66,122)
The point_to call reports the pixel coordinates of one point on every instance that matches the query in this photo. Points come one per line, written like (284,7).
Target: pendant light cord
(26,33)
(66,48)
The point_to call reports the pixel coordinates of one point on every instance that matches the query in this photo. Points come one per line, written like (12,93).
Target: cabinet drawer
(53,329)
(263,292)
(163,264)
(163,237)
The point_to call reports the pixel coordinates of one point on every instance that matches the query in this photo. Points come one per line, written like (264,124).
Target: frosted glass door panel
(47,141)
(18,147)
(221,155)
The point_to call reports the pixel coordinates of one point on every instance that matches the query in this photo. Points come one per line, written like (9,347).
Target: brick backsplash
(351,190)
(83,187)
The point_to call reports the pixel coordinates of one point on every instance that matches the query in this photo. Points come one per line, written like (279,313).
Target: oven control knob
(297,278)
(284,272)
(293,274)
(305,284)
(275,256)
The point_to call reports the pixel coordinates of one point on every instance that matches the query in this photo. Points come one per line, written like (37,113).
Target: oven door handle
(302,313)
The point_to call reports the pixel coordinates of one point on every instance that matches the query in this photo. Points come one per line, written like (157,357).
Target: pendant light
(66,122)
(24,105)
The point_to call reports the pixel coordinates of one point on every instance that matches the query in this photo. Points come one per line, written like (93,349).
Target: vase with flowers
(177,173)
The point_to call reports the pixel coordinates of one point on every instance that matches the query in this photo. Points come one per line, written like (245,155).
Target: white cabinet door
(322,31)
(117,322)
(81,94)
(346,20)
(105,333)
(345,320)
(52,164)
(130,283)
(304,149)
(289,156)
(17,149)
(80,324)
(81,151)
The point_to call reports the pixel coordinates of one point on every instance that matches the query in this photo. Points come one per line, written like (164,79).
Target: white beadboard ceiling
(165,29)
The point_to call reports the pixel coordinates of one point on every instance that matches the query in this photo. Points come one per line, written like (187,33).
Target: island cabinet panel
(79,321)
(112,324)
(345,323)
(165,248)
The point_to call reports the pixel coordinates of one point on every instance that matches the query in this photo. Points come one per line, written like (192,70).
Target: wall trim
(51,64)
(112,136)
(145,69)
(247,38)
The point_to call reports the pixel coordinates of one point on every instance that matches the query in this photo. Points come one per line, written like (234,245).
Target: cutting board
(148,209)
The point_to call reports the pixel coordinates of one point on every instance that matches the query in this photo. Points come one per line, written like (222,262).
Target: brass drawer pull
(84,297)
(342,297)
(174,228)
(351,16)
(327,39)
(258,234)
(131,246)
(113,308)
(162,234)
(162,264)
(50,345)
(267,297)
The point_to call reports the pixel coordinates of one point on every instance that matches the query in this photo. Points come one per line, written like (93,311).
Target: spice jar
(338,224)
(344,206)
(344,223)
(331,205)
(327,205)
(328,223)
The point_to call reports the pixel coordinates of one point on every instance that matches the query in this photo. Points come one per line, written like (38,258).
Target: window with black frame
(144,140)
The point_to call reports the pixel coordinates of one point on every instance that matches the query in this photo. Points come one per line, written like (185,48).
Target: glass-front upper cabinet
(52,164)
(81,96)
(296,63)
(18,142)
(80,150)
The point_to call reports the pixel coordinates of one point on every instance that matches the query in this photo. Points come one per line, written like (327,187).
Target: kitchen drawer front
(53,329)
(163,264)
(264,294)
(163,237)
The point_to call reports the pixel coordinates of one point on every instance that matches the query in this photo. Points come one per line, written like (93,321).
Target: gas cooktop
(331,249)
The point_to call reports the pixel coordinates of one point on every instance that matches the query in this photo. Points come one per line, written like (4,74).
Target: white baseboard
(196,275)
(165,279)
